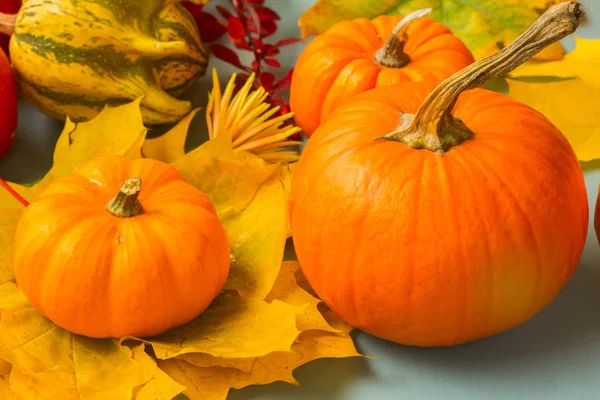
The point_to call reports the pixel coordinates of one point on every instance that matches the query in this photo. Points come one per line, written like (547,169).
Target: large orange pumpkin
(138,263)
(438,219)
(356,55)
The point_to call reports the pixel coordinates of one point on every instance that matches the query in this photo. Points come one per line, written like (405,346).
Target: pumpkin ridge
(345,79)
(63,229)
(443,190)
(470,175)
(506,188)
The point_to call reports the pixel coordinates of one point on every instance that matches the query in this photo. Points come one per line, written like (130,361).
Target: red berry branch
(248,25)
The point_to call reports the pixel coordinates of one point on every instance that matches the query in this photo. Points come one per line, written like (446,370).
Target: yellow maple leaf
(250,196)
(8,227)
(286,289)
(5,392)
(209,377)
(115,130)
(566,92)
(200,383)
(257,261)
(230,180)
(213,383)
(206,360)
(233,327)
(58,363)
(170,146)
(160,385)
(483,25)
(7,200)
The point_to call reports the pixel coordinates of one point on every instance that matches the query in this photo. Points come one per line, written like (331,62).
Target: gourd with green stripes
(74,57)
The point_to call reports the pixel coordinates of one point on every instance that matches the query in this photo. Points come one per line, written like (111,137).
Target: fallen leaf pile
(484,26)
(266,322)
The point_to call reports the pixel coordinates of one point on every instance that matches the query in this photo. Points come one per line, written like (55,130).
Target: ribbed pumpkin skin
(101,276)
(436,249)
(339,63)
(107,52)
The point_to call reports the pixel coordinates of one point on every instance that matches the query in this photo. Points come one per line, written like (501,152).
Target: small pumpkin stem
(7,23)
(392,53)
(126,203)
(434,128)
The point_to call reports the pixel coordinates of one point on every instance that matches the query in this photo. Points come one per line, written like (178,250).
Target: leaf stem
(434,128)
(13,193)
(392,53)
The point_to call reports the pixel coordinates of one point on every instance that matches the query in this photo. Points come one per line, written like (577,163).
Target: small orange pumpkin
(351,57)
(106,266)
(444,223)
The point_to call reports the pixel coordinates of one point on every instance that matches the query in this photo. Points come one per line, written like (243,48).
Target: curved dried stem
(434,128)
(392,53)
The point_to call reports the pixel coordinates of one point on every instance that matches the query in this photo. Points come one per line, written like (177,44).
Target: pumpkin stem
(392,53)
(7,23)
(126,203)
(434,128)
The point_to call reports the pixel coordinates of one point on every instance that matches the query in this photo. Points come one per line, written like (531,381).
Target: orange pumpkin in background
(151,258)
(356,55)
(434,218)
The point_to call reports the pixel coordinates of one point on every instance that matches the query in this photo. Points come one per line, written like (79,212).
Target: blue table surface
(555,355)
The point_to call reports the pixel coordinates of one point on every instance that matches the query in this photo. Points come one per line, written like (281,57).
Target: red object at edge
(8,7)
(8,104)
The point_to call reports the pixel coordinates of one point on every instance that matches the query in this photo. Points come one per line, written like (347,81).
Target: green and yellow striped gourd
(73,57)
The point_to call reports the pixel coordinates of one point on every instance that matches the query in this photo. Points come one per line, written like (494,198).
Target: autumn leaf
(115,130)
(170,146)
(210,377)
(257,261)
(5,391)
(160,385)
(230,180)
(7,200)
(483,25)
(201,383)
(232,327)
(8,227)
(567,93)
(206,360)
(59,364)
(287,289)
(213,383)
(250,197)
